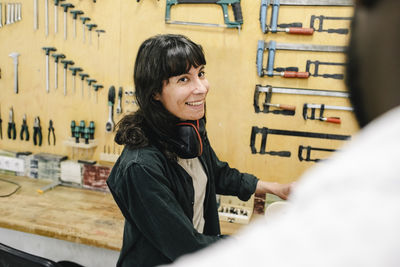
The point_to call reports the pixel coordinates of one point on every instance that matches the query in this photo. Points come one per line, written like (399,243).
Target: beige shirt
(194,168)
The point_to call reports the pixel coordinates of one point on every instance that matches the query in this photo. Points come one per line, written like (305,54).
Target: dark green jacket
(156,197)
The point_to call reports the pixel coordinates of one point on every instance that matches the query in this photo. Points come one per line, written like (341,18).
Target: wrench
(15,55)
(119,109)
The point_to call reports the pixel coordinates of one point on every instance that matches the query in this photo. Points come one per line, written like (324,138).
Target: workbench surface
(73,214)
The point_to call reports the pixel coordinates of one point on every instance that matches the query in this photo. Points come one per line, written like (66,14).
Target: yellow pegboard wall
(231,71)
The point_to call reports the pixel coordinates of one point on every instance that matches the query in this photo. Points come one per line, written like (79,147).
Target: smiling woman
(166,180)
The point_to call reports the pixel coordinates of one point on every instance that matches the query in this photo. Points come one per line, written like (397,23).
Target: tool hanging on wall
(308,150)
(98,37)
(83,76)
(269,90)
(74,71)
(11,131)
(96,88)
(48,50)
(66,6)
(75,14)
(272,46)
(51,133)
(317,64)
(56,4)
(1,15)
(265,131)
(56,59)
(119,109)
(15,56)
(46,17)
(24,129)
(236,8)
(90,28)
(321,20)
(66,63)
(322,108)
(84,19)
(91,130)
(37,132)
(296,27)
(35,15)
(111,101)
(90,82)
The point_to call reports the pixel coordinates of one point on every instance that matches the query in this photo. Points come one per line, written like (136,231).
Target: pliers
(24,129)
(51,130)
(37,132)
(11,132)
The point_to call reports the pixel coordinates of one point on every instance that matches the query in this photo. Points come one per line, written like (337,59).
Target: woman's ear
(157,96)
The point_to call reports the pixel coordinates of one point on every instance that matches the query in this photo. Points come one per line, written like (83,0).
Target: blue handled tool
(289,72)
(237,12)
(294,28)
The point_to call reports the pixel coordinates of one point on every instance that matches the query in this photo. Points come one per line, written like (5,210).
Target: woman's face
(185,95)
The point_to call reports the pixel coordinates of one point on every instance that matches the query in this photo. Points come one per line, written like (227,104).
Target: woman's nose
(201,86)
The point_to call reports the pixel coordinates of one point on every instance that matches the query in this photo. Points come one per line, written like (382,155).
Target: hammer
(66,6)
(15,55)
(48,50)
(75,14)
(56,58)
(74,71)
(66,63)
(83,76)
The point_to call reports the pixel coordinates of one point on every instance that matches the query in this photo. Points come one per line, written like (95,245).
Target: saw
(236,8)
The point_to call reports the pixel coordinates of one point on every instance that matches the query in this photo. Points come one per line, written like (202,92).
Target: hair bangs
(182,57)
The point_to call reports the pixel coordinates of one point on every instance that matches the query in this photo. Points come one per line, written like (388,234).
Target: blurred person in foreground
(346,210)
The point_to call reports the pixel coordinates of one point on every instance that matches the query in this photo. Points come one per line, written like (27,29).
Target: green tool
(237,12)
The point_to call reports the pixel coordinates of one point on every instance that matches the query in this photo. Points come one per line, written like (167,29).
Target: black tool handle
(296,69)
(12,134)
(37,136)
(279,153)
(338,31)
(333,76)
(237,12)
(290,25)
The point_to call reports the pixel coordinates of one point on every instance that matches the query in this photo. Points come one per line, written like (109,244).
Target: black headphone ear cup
(188,143)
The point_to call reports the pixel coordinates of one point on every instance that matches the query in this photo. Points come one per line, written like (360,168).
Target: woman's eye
(202,73)
(183,79)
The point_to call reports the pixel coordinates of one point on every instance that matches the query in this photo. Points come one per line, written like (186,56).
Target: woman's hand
(280,190)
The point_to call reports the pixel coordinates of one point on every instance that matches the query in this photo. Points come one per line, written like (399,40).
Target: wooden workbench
(72,214)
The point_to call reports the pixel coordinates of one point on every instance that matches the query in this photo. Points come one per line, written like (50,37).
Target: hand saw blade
(329,107)
(301,91)
(310,47)
(317,2)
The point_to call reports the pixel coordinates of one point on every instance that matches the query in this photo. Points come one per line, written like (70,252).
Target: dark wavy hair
(159,58)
